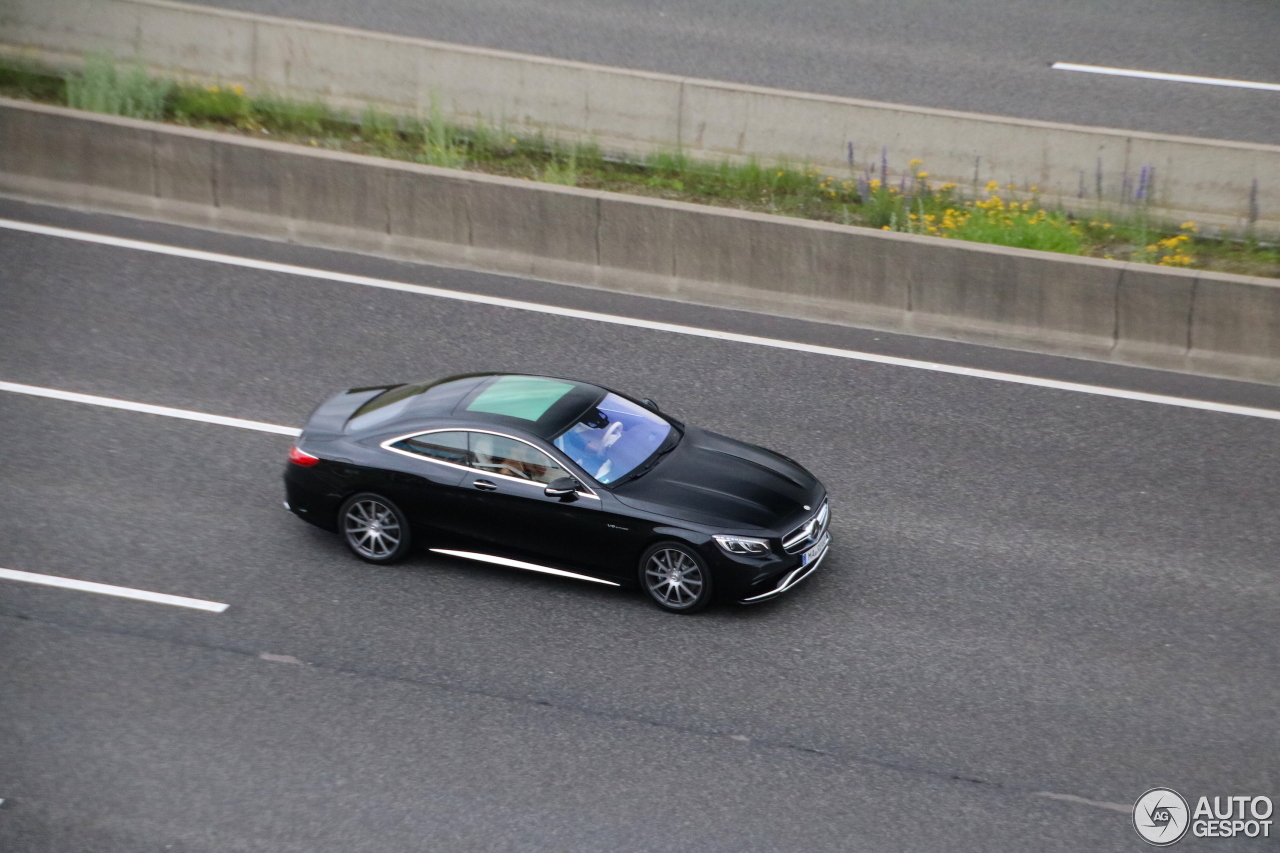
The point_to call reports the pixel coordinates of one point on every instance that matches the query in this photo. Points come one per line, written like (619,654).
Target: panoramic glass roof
(524,397)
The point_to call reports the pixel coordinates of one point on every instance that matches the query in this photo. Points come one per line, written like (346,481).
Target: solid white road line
(516,564)
(112,403)
(1160,75)
(441,293)
(108,589)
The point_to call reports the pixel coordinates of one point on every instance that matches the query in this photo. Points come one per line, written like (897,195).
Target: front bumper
(795,576)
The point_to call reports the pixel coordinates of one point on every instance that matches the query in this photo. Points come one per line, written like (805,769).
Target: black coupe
(562,477)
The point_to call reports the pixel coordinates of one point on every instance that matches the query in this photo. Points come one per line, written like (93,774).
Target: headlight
(742,544)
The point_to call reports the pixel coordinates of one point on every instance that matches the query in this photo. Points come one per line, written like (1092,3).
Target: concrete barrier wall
(1226,184)
(1136,314)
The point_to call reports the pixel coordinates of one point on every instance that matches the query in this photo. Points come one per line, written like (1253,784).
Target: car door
(510,512)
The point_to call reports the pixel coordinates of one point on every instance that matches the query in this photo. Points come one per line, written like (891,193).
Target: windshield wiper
(652,462)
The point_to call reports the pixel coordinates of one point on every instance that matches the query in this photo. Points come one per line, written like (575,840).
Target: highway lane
(986,56)
(1040,590)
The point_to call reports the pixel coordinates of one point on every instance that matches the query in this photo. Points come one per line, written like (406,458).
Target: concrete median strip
(634,322)
(1193,321)
(108,589)
(1212,181)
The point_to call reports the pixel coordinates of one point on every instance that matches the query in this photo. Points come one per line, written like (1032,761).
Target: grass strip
(877,197)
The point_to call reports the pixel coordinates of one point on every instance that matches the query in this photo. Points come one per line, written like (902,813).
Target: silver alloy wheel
(673,578)
(372,529)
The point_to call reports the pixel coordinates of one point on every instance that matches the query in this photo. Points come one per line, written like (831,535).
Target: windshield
(612,438)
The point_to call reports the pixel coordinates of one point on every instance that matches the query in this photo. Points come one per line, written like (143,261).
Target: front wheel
(374,528)
(675,578)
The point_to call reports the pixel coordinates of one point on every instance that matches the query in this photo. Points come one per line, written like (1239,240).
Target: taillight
(300,457)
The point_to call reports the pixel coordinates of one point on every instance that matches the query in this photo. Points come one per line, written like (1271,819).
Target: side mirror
(564,488)
(649,404)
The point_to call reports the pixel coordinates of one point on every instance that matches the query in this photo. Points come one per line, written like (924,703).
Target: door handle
(484,485)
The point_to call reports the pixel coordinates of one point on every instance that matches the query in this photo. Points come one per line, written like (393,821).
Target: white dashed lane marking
(1170,78)
(112,403)
(108,589)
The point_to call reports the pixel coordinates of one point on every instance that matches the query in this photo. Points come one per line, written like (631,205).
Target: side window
(442,446)
(496,454)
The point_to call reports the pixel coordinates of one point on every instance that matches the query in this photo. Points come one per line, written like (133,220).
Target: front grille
(808,533)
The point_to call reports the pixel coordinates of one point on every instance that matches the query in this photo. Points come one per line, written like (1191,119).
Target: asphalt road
(985,56)
(1031,591)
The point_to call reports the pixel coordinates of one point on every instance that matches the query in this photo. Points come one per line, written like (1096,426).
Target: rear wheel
(374,528)
(675,578)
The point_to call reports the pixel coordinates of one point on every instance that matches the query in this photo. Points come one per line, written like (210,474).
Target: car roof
(542,406)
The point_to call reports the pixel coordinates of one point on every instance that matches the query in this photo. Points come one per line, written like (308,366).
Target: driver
(594,434)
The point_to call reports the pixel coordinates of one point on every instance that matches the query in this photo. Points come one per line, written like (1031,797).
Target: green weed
(379,128)
(103,88)
(441,144)
(558,173)
(307,118)
(193,104)
(25,79)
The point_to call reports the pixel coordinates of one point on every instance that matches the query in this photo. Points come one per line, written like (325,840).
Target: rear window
(427,399)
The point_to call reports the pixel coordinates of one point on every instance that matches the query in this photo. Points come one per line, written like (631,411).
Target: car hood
(715,480)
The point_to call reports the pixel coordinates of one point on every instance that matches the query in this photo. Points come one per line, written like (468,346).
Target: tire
(675,578)
(374,528)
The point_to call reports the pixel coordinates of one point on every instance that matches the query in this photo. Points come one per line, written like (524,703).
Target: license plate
(816,551)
